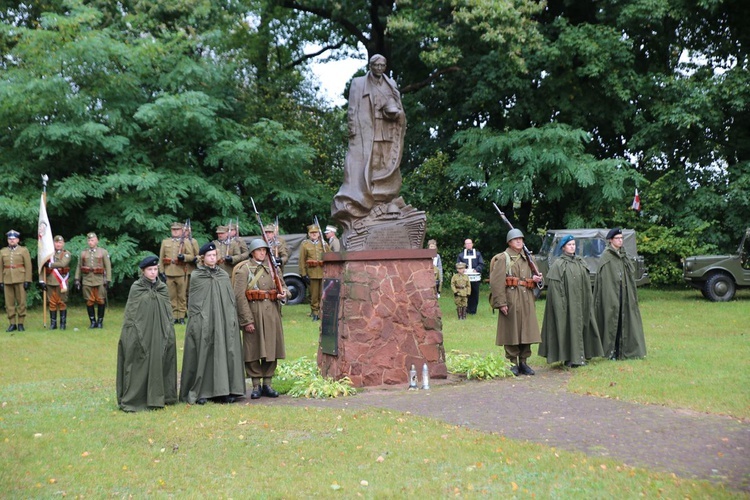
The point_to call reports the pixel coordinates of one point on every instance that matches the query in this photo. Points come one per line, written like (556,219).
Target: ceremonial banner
(46,247)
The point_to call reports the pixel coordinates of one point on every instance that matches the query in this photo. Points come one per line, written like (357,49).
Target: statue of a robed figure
(368,205)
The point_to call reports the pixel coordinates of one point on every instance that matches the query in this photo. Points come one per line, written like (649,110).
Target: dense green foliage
(142,113)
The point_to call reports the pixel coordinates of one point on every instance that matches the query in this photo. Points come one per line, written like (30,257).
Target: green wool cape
(616,306)
(146,353)
(569,330)
(212,364)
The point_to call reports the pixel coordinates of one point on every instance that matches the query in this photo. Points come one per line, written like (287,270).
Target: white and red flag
(46,247)
(636,201)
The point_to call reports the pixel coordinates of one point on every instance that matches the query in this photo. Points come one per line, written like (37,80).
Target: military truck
(590,244)
(719,276)
(292,277)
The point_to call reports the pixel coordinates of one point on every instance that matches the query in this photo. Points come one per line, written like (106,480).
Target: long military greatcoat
(267,342)
(520,326)
(146,354)
(212,363)
(569,331)
(616,305)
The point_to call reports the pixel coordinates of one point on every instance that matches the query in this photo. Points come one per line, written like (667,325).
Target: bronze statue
(372,177)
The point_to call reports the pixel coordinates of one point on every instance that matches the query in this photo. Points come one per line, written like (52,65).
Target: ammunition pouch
(253,295)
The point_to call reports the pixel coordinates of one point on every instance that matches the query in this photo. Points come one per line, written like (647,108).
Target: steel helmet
(256,244)
(513,234)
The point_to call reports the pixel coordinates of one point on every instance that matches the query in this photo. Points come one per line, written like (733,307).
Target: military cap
(269,228)
(331,229)
(59,238)
(566,239)
(222,229)
(207,248)
(91,235)
(13,234)
(461,265)
(176,225)
(312,228)
(151,260)
(613,232)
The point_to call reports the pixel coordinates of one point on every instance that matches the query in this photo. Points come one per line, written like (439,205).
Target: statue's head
(378,64)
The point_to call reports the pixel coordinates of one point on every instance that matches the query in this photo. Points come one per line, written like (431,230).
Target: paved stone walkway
(539,409)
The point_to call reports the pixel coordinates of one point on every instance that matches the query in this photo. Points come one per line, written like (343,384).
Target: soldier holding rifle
(174,255)
(94,270)
(513,277)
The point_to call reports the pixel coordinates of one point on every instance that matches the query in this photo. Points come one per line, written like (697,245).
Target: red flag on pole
(636,201)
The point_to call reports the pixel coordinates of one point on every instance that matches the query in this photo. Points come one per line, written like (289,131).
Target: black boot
(524,368)
(11,328)
(100,321)
(53,320)
(92,316)
(458,311)
(63,319)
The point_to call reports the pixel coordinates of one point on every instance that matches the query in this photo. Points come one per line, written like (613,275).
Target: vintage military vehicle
(719,276)
(590,243)
(292,277)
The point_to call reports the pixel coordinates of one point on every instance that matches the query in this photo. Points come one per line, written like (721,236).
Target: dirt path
(539,409)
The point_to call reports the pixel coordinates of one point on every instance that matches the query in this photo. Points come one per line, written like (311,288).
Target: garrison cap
(312,228)
(151,260)
(269,228)
(566,239)
(176,225)
(207,248)
(461,265)
(13,234)
(59,238)
(222,229)
(91,235)
(331,229)
(613,232)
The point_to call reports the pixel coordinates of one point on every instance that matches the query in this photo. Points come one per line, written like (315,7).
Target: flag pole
(45,178)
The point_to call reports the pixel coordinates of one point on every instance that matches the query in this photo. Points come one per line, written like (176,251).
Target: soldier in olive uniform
(54,281)
(174,255)
(461,287)
(333,242)
(16,262)
(229,252)
(278,247)
(311,267)
(235,239)
(259,312)
(95,269)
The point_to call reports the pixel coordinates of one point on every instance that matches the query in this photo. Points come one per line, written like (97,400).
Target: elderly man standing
(618,315)
(333,242)
(95,268)
(513,284)
(474,267)
(56,283)
(16,263)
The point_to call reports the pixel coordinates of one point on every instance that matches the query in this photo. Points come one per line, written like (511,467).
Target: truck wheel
(297,290)
(719,288)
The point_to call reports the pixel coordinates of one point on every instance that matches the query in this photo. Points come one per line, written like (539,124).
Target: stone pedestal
(388,317)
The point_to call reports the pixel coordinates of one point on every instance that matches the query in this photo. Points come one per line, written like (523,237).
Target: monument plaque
(329,331)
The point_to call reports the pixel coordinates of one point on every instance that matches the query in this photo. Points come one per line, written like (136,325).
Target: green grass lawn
(62,435)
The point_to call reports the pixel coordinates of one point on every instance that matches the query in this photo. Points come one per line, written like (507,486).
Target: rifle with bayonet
(271,261)
(526,251)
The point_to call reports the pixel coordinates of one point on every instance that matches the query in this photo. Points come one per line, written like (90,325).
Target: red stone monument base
(388,317)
